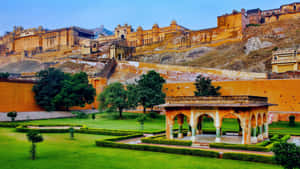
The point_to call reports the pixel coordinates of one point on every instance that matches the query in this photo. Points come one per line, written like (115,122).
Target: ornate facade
(285,60)
(32,41)
(288,11)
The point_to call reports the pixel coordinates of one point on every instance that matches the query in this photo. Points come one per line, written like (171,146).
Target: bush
(152,115)
(238,147)
(160,140)
(285,138)
(252,25)
(292,121)
(287,155)
(93,116)
(249,157)
(80,115)
(4,75)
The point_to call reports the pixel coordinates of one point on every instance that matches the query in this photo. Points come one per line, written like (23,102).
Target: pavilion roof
(216,101)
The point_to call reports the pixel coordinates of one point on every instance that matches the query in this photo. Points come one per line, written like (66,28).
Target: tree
(50,83)
(58,90)
(76,91)
(287,155)
(4,75)
(34,137)
(132,100)
(205,88)
(12,115)
(149,90)
(113,97)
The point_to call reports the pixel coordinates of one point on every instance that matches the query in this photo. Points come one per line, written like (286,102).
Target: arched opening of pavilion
(180,121)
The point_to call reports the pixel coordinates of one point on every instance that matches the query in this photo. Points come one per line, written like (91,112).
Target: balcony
(285,60)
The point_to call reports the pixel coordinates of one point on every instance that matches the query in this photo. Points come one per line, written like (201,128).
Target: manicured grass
(152,125)
(111,122)
(59,152)
(284,128)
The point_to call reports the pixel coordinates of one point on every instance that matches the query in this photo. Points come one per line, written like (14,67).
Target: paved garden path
(138,141)
(23,116)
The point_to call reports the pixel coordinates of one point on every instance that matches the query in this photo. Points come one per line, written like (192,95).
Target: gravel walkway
(23,116)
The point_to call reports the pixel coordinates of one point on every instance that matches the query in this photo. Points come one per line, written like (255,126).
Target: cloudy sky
(51,14)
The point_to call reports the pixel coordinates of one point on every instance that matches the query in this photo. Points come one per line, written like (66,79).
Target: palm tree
(34,137)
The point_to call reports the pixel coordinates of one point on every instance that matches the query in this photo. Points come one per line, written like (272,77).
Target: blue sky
(51,14)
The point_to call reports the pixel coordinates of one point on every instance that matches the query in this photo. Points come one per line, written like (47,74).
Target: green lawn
(59,152)
(110,122)
(129,123)
(284,128)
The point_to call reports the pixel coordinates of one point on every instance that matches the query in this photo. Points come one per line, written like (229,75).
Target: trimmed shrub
(12,115)
(292,121)
(275,137)
(285,138)
(238,147)
(160,140)
(80,115)
(264,143)
(249,157)
(195,152)
(9,124)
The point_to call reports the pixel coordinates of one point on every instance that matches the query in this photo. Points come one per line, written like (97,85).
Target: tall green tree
(76,92)
(149,90)
(50,83)
(113,98)
(34,137)
(205,88)
(58,90)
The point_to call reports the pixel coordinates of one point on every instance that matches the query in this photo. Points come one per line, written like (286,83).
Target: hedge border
(154,148)
(239,147)
(159,140)
(249,157)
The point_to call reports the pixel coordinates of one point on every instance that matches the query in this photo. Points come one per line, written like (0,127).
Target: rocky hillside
(253,54)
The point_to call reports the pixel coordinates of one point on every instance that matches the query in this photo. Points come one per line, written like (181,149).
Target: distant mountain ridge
(102,30)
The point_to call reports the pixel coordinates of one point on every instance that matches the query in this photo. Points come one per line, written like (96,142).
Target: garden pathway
(37,115)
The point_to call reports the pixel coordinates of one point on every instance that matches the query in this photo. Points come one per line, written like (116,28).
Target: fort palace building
(127,41)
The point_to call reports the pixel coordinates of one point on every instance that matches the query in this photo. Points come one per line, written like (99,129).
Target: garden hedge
(160,140)
(249,157)
(185,151)
(239,147)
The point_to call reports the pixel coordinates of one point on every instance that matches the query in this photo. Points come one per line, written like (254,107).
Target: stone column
(193,134)
(253,135)
(180,134)
(171,131)
(266,131)
(218,134)
(189,131)
(180,119)
(260,132)
(218,127)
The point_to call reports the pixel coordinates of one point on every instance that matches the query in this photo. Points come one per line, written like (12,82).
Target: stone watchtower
(122,31)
